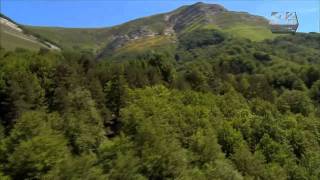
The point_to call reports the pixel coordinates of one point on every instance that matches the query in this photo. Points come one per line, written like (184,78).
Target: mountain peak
(210,7)
(196,14)
(157,29)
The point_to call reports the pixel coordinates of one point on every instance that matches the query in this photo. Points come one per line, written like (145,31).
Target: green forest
(214,107)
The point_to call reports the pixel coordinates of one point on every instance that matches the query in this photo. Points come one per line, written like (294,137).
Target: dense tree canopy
(216,107)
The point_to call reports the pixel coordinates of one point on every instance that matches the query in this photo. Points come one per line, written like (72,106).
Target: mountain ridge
(104,41)
(12,32)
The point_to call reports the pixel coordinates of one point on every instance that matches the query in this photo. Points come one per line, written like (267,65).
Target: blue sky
(102,13)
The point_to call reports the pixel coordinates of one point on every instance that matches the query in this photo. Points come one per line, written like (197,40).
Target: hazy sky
(102,13)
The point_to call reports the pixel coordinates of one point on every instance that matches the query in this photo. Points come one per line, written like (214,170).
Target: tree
(163,62)
(82,125)
(33,158)
(197,79)
(315,91)
(275,172)
(31,124)
(201,38)
(116,92)
(77,168)
(119,159)
(250,165)
(261,56)
(22,92)
(311,75)
(223,170)
(296,102)
(229,139)
(274,151)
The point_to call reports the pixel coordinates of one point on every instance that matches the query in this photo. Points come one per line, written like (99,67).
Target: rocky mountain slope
(154,31)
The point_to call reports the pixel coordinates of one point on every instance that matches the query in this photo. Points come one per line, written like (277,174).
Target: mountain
(14,36)
(179,95)
(156,31)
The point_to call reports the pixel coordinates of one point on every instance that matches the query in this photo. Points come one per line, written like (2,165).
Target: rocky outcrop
(121,39)
(198,13)
(174,22)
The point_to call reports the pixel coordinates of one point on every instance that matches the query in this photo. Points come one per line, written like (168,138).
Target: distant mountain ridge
(14,35)
(156,30)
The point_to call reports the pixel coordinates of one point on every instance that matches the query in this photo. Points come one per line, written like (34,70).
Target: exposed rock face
(181,20)
(198,13)
(5,22)
(141,32)
(174,22)
(119,40)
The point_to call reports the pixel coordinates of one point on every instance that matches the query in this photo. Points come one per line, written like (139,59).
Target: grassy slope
(244,25)
(254,33)
(11,42)
(72,38)
(155,23)
(238,24)
(94,38)
(11,39)
(241,25)
(143,45)
(244,29)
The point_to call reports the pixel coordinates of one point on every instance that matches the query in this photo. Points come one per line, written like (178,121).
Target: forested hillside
(213,107)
